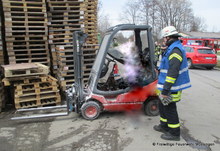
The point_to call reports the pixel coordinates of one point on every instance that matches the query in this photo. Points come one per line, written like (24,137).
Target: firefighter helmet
(169,31)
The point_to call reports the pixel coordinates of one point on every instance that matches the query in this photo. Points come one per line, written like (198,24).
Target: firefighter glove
(165,101)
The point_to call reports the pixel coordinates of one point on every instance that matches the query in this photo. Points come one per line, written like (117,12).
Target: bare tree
(158,14)
(161,13)
(103,20)
(198,24)
(130,13)
(145,11)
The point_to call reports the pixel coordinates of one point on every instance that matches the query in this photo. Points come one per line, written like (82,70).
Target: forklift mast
(78,40)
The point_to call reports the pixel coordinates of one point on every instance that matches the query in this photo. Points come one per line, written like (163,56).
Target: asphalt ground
(124,131)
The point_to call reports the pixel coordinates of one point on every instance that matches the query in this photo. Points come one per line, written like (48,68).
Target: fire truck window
(206,43)
(199,42)
(218,45)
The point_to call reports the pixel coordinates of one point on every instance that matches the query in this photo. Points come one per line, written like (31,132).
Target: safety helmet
(169,31)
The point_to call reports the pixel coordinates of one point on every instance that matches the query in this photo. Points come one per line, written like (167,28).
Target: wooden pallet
(38,103)
(24,4)
(21,15)
(29,80)
(25,69)
(28,29)
(65,5)
(55,15)
(30,38)
(12,52)
(29,48)
(29,90)
(25,97)
(37,87)
(27,33)
(45,61)
(87,48)
(23,9)
(61,18)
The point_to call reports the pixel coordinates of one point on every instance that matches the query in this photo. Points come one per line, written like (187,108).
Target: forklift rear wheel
(151,107)
(90,110)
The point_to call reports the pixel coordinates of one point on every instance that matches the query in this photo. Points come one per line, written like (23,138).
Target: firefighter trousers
(169,119)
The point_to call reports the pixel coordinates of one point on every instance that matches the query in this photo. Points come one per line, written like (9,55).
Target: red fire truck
(212,43)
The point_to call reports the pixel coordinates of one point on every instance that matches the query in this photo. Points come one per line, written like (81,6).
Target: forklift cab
(108,75)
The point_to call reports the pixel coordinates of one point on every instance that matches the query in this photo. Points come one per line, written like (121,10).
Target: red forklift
(107,89)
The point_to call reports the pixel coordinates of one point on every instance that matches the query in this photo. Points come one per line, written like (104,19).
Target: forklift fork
(42,115)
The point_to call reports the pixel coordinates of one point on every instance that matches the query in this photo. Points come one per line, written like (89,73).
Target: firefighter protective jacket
(182,81)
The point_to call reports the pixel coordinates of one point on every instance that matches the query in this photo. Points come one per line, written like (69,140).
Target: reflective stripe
(174,125)
(175,87)
(176,97)
(170,79)
(163,71)
(176,56)
(183,70)
(163,120)
(158,92)
(180,72)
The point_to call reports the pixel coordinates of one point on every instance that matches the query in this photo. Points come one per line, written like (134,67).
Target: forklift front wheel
(90,110)
(151,107)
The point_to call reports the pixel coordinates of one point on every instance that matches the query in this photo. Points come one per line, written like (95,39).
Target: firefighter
(163,48)
(173,78)
(157,51)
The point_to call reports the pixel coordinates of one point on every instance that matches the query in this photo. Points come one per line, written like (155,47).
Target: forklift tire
(90,110)
(151,107)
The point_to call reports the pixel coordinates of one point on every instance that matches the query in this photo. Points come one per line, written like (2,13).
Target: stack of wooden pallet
(90,49)
(64,17)
(65,74)
(33,87)
(90,18)
(26,31)
(41,91)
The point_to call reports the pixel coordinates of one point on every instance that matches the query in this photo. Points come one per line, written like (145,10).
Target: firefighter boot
(159,128)
(168,136)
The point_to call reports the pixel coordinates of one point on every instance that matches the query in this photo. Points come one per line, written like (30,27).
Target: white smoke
(132,62)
